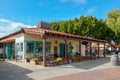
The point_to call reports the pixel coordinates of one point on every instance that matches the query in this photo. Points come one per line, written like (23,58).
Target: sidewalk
(104,74)
(42,73)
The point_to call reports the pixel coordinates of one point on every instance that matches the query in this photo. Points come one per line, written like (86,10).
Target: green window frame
(30,47)
(37,47)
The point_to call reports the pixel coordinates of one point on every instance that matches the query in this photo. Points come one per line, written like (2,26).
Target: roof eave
(12,34)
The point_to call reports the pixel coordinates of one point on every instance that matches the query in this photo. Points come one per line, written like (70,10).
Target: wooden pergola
(44,34)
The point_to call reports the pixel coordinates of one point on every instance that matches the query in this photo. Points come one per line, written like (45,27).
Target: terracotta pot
(27,60)
(36,62)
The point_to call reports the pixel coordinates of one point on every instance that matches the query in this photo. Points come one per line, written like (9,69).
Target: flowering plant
(59,59)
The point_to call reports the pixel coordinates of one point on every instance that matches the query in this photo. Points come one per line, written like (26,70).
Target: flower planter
(36,62)
(27,60)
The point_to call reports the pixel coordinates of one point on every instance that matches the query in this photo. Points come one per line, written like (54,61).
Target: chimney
(43,25)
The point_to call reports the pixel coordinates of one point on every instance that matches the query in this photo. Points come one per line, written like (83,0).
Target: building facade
(41,40)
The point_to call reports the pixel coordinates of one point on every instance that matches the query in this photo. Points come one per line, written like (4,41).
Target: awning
(8,41)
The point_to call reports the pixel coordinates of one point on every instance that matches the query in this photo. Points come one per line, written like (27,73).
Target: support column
(79,47)
(4,46)
(44,51)
(90,51)
(98,50)
(66,55)
(104,51)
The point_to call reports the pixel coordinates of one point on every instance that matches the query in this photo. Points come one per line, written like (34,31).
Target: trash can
(114,59)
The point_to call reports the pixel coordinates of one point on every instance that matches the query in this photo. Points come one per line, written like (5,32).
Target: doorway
(9,50)
(55,51)
(62,49)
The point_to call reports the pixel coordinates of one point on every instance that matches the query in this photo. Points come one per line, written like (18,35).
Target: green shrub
(59,59)
(35,59)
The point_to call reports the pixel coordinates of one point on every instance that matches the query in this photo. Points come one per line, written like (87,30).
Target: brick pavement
(103,74)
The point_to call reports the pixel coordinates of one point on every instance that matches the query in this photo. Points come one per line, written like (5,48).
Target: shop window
(38,48)
(21,47)
(30,47)
(17,47)
(1,45)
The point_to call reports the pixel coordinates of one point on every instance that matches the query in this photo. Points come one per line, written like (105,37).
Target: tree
(113,22)
(84,26)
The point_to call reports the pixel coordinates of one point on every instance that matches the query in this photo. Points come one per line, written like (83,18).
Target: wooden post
(98,50)
(80,47)
(44,51)
(4,46)
(104,51)
(90,51)
(66,55)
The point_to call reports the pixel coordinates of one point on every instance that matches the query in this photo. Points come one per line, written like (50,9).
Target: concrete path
(11,70)
(103,74)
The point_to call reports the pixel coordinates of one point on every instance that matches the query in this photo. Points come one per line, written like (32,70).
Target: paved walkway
(10,70)
(104,74)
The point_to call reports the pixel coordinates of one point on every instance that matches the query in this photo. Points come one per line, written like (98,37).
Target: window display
(30,47)
(37,47)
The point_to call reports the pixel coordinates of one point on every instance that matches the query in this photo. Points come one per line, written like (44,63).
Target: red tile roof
(39,31)
(12,34)
(45,31)
(8,41)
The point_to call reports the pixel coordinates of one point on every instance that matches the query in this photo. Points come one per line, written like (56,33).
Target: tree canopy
(91,26)
(113,22)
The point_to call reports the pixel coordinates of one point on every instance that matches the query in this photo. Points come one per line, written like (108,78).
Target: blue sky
(26,13)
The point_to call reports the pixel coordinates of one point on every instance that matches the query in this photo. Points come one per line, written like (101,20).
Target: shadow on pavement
(9,71)
(89,64)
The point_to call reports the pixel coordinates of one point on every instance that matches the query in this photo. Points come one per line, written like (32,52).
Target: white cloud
(8,26)
(2,34)
(75,1)
(91,11)
(4,21)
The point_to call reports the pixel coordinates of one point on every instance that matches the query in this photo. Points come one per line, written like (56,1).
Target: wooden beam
(80,47)
(90,51)
(98,50)
(104,51)
(44,50)
(66,55)
(4,46)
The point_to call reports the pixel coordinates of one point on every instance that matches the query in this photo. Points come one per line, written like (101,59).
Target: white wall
(31,37)
(20,39)
(83,50)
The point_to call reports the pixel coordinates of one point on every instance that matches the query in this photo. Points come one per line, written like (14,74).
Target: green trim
(9,50)
(61,49)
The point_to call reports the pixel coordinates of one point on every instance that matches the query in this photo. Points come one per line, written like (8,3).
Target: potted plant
(27,58)
(59,60)
(75,59)
(36,60)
